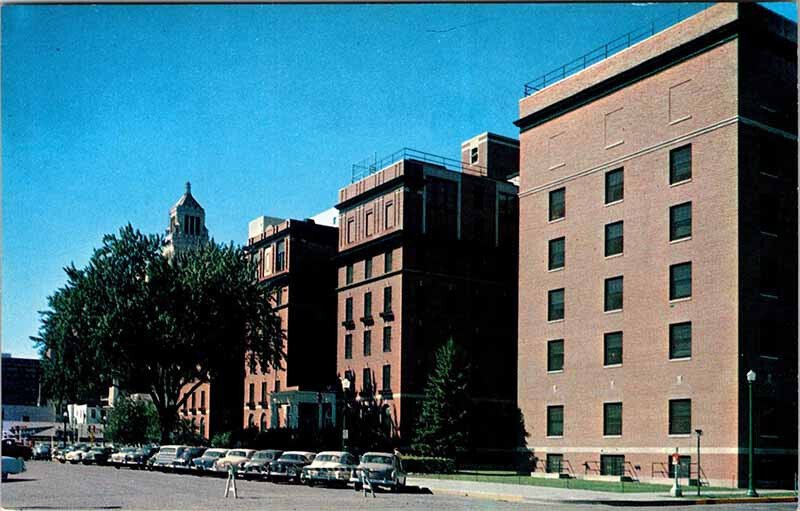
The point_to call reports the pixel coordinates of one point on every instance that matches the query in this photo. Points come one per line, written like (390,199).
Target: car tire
(5,476)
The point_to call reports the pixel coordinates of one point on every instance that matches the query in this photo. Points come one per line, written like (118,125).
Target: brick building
(658,260)
(427,250)
(295,259)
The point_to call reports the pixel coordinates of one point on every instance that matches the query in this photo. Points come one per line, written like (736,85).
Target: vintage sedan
(16,450)
(235,457)
(140,457)
(42,451)
(330,467)
(60,453)
(77,453)
(258,466)
(290,466)
(97,455)
(183,461)
(118,458)
(382,468)
(207,460)
(12,465)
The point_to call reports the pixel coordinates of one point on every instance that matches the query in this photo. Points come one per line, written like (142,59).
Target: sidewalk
(542,494)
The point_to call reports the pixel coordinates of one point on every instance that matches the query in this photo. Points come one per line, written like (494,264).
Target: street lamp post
(699,434)
(751,490)
(66,416)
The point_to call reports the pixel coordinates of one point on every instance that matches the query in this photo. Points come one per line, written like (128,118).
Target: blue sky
(108,110)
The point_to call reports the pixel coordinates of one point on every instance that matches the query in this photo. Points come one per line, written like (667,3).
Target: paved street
(48,485)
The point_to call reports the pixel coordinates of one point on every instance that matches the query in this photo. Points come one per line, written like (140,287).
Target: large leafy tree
(156,324)
(443,425)
(132,422)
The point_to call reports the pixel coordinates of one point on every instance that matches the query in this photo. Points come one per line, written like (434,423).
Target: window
(367,379)
(368,268)
(614,239)
(277,385)
(387,378)
(387,338)
(193,401)
(351,227)
(369,226)
(555,304)
(251,421)
(348,309)
(612,464)
(348,346)
(388,218)
(680,281)
(612,348)
(680,164)
(557,204)
(555,355)
(613,295)
(387,262)
(614,186)
(263,422)
(612,419)
(473,155)
(367,343)
(263,392)
(555,258)
(387,300)
(202,399)
(554,463)
(680,221)
(280,258)
(349,274)
(202,426)
(680,416)
(555,420)
(368,305)
(680,340)
(251,393)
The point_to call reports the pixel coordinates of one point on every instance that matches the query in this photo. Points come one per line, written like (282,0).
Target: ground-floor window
(554,463)
(612,465)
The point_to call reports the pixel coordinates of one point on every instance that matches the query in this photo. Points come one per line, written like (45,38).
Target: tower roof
(187,200)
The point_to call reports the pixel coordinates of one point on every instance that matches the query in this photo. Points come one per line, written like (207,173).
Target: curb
(682,502)
(479,495)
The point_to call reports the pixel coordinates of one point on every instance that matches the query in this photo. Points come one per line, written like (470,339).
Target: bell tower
(187,225)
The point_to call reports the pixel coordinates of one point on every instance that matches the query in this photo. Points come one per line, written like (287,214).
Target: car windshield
(293,457)
(238,453)
(213,454)
(169,450)
(377,458)
(334,458)
(263,456)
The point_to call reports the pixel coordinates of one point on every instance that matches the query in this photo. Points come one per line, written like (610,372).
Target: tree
(132,422)
(444,421)
(156,323)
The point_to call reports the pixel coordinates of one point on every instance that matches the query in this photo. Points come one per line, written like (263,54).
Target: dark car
(97,456)
(289,467)
(183,459)
(16,450)
(42,451)
(140,457)
(258,466)
(207,460)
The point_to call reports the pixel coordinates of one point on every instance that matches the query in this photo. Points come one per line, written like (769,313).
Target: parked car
(183,460)
(206,461)
(383,469)
(166,455)
(289,466)
(77,453)
(15,449)
(141,457)
(59,453)
(331,467)
(12,465)
(97,455)
(42,451)
(235,457)
(258,466)
(118,458)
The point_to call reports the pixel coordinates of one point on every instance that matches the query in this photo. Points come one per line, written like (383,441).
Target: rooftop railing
(368,167)
(603,52)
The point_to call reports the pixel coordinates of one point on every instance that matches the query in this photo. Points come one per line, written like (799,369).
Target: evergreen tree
(444,421)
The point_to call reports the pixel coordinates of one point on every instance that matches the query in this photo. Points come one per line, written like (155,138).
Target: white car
(333,467)
(235,457)
(12,466)
(77,455)
(382,468)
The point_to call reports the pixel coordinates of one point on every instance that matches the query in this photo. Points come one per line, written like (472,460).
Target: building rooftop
(368,167)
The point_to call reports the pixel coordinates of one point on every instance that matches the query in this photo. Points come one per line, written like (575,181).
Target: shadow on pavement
(18,480)
(416,490)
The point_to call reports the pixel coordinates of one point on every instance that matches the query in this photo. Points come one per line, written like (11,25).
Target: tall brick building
(658,261)
(294,258)
(427,251)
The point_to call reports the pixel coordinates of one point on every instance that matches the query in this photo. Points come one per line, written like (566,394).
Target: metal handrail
(602,52)
(368,167)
